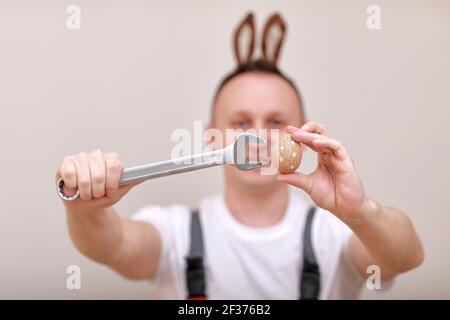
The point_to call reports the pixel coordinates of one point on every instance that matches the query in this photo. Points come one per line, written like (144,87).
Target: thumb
(296,179)
(116,196)
(111,200)
(123,190)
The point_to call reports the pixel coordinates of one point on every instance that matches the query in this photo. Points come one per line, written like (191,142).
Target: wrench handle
(159,169)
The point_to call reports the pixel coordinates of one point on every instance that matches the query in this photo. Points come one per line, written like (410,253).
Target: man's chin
(255,179)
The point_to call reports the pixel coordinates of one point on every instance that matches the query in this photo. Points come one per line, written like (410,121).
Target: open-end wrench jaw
(240,152)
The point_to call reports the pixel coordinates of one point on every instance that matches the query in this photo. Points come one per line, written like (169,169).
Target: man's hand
(97,176)
(334,185)
(382,236)
(130,247)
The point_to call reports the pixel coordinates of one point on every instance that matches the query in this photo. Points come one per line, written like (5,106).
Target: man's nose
(258,124)
(260,128)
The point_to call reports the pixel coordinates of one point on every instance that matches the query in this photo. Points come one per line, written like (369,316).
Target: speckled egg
(288,155)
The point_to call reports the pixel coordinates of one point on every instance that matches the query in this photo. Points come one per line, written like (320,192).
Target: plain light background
(137,70)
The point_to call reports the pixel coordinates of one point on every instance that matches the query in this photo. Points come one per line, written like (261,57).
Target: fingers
(307,137)
(313,127)
(113,171)
(95,174)
(316,130)
(83,176)
(332,145)
(299,180)
(68,172)
(292,129)
(331,150)
(321,143)
(98,174)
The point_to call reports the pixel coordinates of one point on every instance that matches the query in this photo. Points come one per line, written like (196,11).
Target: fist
(96,175)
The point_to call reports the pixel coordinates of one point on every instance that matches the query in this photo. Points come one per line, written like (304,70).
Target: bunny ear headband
(272,40)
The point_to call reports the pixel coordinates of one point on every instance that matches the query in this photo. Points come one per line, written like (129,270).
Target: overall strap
(195,273)
(310,276)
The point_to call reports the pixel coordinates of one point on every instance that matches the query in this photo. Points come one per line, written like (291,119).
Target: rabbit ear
(273,36)
(244,40)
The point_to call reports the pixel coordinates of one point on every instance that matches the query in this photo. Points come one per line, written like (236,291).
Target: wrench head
(240,151)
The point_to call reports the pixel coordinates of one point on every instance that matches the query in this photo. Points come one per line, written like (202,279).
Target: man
(253,246)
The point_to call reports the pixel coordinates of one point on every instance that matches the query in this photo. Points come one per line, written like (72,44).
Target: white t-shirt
(243,262)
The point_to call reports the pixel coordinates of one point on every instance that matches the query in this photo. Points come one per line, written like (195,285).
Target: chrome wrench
(235,154)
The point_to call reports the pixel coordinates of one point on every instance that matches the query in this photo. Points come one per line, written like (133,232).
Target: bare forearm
(384,237)
(97,234)
(131,248)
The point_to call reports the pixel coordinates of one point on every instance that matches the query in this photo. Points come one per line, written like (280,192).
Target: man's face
(255,100)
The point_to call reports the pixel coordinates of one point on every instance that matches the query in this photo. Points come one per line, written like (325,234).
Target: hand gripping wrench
(235,154)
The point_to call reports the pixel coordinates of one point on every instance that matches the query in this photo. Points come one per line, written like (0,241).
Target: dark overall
(195,273)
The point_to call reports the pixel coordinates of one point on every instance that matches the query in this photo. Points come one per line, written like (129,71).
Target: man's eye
(275,123)
(241,124)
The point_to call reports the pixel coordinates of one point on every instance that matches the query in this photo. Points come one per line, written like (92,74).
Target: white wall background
(137,70)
